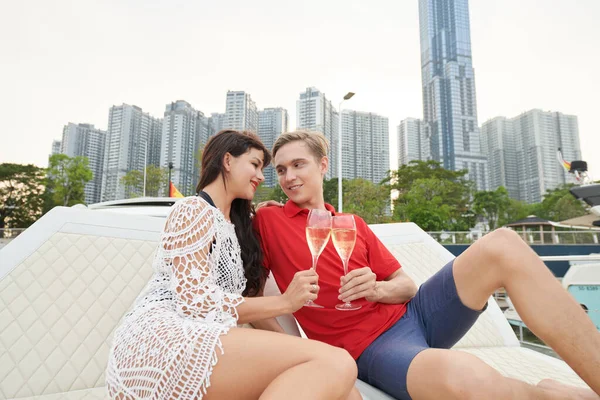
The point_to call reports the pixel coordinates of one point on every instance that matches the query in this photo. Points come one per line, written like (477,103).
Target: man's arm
(385,283)
(395,289)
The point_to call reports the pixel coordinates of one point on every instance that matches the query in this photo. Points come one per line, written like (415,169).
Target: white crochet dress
(166,346)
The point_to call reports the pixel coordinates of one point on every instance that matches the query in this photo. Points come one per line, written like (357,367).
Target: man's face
(300,173)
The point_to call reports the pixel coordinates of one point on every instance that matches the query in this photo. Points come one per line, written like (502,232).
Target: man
(401,346)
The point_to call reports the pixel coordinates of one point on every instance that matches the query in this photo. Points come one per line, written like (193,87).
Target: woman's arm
(270,324)
(303,286)
(261,312)
(186,244)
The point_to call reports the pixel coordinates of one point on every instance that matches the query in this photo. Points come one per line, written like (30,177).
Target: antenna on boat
(577,167)
(586,190)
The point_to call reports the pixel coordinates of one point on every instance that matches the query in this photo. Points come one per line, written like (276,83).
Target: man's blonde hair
(315,141)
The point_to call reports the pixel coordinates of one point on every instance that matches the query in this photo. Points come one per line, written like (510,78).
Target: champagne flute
(318,230)
(343,232)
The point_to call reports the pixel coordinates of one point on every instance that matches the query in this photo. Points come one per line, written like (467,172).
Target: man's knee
(499,243)
(498,249)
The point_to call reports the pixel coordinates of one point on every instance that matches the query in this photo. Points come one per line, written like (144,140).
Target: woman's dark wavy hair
(242,211)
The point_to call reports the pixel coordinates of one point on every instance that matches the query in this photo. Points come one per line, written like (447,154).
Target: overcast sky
(69,61)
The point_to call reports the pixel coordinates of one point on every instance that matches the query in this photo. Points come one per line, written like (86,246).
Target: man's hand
(358,284)
(268,203)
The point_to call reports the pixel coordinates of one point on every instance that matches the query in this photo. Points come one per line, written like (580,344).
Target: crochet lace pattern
(166,346)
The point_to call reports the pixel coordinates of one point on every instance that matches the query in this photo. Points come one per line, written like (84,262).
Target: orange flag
(173,192)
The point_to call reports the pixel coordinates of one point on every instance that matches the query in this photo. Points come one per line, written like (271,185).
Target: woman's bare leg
(267,365)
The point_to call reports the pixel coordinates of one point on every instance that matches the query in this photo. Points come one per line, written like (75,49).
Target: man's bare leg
(502,259)
(450,374)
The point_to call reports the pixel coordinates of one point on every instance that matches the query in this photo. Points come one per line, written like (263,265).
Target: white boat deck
(67,280)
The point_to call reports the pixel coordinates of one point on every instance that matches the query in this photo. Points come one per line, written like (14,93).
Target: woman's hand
(304,286)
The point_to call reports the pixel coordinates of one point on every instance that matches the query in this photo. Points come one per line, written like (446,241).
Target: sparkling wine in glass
(343,233)
(318,230)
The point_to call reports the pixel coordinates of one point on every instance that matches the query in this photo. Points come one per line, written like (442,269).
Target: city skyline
(38,40)
(520,151)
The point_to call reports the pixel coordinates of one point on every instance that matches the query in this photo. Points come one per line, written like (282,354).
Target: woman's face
(245,173)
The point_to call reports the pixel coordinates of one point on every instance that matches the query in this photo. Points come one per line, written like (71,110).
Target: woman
(178,341)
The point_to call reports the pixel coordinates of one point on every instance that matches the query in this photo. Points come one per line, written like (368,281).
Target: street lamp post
(348,96)
(169,184)
(145,165)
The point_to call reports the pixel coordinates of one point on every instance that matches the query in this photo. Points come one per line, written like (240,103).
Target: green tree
(156,181)
(21,194)
(67,176)
(491,205)
(360,197)
(198,169)
(276,194)
(330,190)
(431,196)
(263,193)
(559,204)
(134,183)
(515,210)
(426,205)
(403,178)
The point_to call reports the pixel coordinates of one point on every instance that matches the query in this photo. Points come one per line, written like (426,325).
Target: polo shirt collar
(291,209)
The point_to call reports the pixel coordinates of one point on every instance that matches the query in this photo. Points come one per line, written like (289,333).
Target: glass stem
(345,262)
(314,262)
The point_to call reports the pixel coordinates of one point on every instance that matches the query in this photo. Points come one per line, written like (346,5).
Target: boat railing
(529,236)
(523,338)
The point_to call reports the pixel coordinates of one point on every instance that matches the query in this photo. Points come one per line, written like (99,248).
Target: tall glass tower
(449,104)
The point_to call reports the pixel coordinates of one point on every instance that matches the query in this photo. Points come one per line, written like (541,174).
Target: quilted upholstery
(58,310)
(98,393)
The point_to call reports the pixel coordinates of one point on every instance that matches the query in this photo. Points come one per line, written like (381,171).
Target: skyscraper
(129,129)
(522,152)
(499,142)
(84,140)
(365,146)
(216,123)
(315,113)
(155,132)
(185,131)
(56,146)
(272,122)
(449,104)
(240,112)
(539,135)
(412,143)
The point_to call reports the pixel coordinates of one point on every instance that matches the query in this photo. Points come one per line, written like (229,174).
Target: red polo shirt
(283,239)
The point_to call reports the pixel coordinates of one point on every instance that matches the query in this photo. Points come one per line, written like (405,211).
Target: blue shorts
(434,318)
